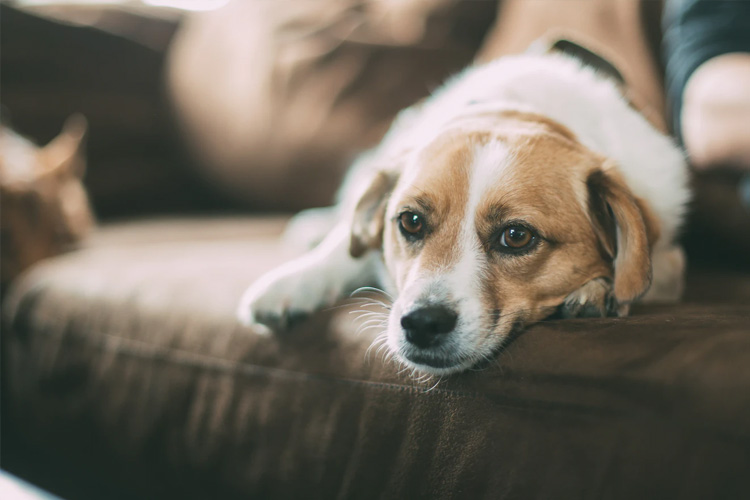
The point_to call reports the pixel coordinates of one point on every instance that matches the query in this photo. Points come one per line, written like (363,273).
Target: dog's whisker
(369,312)
(371,346)
(372,321)
(360,301)
(389,356)
(372,289)
(362,310)
(366,316)
(440,379)
(378,341)
(378,305)
(374,326)
(402,370)
(382,352)
(384,344)
(372,314)
(370,302)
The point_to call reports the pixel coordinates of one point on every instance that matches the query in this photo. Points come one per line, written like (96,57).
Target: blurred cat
(45,208)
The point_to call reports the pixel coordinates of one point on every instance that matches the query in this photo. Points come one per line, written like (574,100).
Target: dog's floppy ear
(626,231)
(367,222)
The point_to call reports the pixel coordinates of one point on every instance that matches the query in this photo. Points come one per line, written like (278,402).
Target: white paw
(284,296)
(593,300)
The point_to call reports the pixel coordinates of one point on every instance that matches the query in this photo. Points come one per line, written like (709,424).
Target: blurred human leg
(275,99)
(715,117)
(707,53)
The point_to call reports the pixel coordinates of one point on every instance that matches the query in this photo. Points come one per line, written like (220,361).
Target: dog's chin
(434,364)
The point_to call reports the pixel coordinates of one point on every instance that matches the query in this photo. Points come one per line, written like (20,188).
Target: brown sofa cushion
(125,360)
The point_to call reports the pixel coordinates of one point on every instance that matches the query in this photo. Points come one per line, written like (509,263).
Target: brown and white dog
(523,187)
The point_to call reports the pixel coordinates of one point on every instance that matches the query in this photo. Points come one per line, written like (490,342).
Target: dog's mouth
(434,361)
(443,363)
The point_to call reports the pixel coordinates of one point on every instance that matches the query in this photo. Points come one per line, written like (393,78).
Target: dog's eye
(411,224)
(516,238)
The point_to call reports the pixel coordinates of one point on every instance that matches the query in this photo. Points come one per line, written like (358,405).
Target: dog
(524,187)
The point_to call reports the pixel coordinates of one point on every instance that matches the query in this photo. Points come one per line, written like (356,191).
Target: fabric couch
(125,374)
(124,368)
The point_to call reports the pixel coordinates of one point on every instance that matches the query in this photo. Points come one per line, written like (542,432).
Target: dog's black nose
(426,326)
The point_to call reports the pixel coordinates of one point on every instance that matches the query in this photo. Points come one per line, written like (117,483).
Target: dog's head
(491,226)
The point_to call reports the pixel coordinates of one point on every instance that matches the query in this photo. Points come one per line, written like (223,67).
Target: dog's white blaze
(490,162)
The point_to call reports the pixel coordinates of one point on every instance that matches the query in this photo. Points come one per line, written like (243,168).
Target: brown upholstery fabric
(125,360)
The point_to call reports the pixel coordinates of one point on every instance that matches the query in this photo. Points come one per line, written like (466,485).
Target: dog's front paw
(592,300)
(284,297)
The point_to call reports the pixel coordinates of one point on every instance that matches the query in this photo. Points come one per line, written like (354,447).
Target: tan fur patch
(543,187)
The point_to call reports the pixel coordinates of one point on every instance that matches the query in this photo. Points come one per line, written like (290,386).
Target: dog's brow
(496,213)
(491,220)
(424,203)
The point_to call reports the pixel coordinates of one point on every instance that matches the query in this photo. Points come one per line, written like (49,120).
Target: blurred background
(201,106)
(192,120)
(196,107)
(104,60)
(204,106)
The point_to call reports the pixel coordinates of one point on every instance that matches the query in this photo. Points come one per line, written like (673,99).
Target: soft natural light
(188,4)
(34,3)
(175,4)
